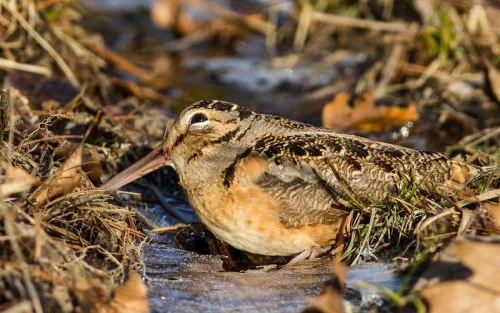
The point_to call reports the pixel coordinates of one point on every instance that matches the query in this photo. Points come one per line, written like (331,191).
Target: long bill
(151,162)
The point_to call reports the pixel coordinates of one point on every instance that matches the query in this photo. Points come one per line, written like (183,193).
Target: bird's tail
(462,174)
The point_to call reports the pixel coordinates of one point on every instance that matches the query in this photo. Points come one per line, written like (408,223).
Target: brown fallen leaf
(92,165)
(91,159)
(164,13)
(494,210)
(364,115)
(463,278)
(15,180)
(457,297)
(131,297)
(331,298)
(63,181)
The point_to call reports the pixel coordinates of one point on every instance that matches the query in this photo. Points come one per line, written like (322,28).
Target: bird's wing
(319,177)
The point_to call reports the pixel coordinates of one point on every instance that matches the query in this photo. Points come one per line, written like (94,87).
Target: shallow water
(183,281)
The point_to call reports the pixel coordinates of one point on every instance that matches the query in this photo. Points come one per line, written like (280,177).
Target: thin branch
(354,22)
(227,14)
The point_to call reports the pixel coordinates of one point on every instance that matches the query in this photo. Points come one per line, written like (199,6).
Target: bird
(272,186)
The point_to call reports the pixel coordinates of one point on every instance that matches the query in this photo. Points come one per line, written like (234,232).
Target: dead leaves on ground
(332,295)
(14,180)
(364,115)
(63,181)
(131,297)
(463,278)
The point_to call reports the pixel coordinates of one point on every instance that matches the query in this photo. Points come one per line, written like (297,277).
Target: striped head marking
(203,126)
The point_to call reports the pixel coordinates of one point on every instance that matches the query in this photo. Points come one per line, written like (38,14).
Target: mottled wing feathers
(305,198)
(330,173)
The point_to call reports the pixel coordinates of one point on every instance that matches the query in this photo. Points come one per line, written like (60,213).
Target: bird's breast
(248,218)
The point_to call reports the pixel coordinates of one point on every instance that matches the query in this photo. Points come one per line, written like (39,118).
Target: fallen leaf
(331,298)
(483,258)
(92,165)
(131,297)
(494,210)
(63,181)
(463,278)
(364,115)
(164,13)
(15,180)
(457,297)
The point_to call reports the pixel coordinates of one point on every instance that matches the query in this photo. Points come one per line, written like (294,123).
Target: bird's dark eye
(198,118)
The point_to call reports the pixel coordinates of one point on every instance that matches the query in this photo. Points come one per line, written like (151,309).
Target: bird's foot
(308,254)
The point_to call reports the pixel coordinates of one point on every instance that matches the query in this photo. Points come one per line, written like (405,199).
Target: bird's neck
(206,169)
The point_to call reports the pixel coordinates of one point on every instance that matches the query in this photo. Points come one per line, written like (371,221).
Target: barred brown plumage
(273,186)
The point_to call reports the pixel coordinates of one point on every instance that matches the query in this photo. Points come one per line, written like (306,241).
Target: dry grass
(415,224)
(64,245)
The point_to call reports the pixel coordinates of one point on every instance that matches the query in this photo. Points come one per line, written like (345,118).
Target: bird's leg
(339,239)
(317,251)
(309,254)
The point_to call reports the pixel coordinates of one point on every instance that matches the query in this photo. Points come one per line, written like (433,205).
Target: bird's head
(199,131)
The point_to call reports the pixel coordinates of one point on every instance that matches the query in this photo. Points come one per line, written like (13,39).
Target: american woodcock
(273,186)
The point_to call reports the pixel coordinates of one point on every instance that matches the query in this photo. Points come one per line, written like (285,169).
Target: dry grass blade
(16,66)
(360,23)
(42,42)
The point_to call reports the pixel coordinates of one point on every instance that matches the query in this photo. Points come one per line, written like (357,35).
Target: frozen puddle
(183,281)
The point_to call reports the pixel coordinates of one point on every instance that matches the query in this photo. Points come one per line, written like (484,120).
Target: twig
(7,64)
(125,65)
(305,20)
(360,23)
(492,134)
(79,50)
(139,91)
(227,14)
(73,103)
(488,195)
(50,139)
(170,228)
(144,219)
(434,218)
(95,121)
(42,42)
(4,111)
